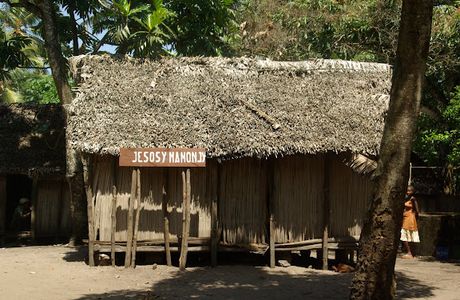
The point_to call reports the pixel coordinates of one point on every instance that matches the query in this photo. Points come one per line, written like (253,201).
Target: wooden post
(213,180)
(89,197)
(185,218)
(136,221)
(270,194)
(272,241)
(114,224)
(33,212)
(130,223)
(164,206)
(326,210)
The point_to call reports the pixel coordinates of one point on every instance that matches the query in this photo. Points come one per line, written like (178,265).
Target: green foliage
(301,29)
(441,142)
(12,53)
(34,87)
(203,27)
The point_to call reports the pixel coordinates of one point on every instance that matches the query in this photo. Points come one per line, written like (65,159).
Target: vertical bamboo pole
(213,175)
(129,239)
(114,224)
(326,210)
(270,194)
(185,219)
(33,213)
(136,221)
(89,197)
(164,206)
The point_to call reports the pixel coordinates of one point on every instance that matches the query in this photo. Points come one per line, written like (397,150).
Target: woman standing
(409,231)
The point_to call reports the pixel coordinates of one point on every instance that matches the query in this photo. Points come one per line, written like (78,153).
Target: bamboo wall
(52,209)
(153,180)
(242,188)
(350,195)
(243,210)
(298,198)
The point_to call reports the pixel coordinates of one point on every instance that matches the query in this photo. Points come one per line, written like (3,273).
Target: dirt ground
(58,272)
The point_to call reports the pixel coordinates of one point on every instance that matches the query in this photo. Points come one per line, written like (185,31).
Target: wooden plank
(136,221)
(164,206)
(33,213)
(113,224)
(162,157)
(130,221)
(185,219)
(213,187)
(326,210)
(60,207)
(90,210)
(122,248)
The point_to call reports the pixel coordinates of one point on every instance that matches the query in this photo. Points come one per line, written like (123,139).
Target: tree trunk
(374,278)
(54,51)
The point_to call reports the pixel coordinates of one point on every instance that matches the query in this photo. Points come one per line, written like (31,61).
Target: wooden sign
(162,157)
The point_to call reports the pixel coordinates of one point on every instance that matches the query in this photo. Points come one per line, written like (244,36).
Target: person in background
(409,230)
(21,216)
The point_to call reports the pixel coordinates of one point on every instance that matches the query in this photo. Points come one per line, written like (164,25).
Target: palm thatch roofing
(233,107)
(32,139)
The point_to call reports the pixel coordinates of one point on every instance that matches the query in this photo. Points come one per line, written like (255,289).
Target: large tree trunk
(374,278)
(54,51)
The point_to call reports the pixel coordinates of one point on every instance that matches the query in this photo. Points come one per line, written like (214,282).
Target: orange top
(409,220)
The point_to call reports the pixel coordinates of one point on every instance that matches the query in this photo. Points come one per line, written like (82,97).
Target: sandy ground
(58,272)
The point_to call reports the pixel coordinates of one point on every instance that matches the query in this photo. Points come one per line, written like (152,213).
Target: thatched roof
(231,107)
(32,139)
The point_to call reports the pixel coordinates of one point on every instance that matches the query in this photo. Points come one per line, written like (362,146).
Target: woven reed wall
(52,208)
(243,206)
(153,180)
(298,197)
(242,191)
(350,194)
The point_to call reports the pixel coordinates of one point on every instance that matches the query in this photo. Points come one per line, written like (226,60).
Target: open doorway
(18,203)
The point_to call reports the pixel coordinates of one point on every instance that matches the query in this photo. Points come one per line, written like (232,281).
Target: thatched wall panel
(298,197)
(350,193)
(52,208)
(243,206)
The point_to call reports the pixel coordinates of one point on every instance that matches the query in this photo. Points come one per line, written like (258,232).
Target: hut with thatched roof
(32,157)
(277,137)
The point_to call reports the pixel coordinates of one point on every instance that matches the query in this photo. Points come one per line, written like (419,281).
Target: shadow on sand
(249,282)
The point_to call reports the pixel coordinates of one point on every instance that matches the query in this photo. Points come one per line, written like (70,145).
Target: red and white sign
(162,157)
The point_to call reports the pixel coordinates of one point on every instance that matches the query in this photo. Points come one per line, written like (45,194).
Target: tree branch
(429,112)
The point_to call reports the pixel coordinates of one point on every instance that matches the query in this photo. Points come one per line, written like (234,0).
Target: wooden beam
(33,213)
(114,223)
(326,210)
(90,210)
(213,181)
(164,206)
(130,221)
(136,221)
(185,218)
